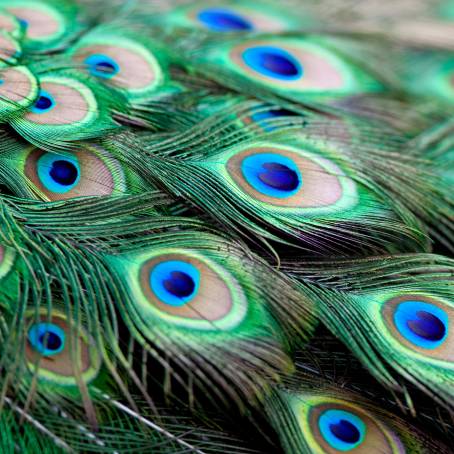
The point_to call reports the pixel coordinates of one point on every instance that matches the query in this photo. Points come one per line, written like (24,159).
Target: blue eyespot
(46,338)
(341,429)
(175,282)
(223,20)
(2,81)
(58,173)
(102,66)
(423,324)
(44,103)
(273,62)
(272,174)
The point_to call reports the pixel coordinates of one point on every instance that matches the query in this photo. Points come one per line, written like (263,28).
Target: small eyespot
(103,66)
(223,20)
(46,338)
(175,282)
(44,103)
(272,174)
(341,429)
(58,173)
(273,62)
(423,324)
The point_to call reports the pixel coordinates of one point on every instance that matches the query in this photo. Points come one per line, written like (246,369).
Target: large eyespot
(10,49)
(46,338)
(296,66)
(127,64)
(338,426)
(286,177)
(314,421)
(63,101)
(56,349)
(421,323)
(18,90)
(341,429)
(88,172)
(7,258)
(231,18)
(223,20)
(41,22)
(183,289)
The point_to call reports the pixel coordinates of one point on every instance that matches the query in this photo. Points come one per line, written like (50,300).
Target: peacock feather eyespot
(341,429)
(183,288)
(57,349)
(234,17)
(421,323)
(46,338)
(294,66)
(63,101)
(44,103)
(91,171)
(338,425)
(223,20)
(130,64)
(103,66)
(281,176)
(273,62)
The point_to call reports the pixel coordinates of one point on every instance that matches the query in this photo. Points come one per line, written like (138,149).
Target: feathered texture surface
(226,226)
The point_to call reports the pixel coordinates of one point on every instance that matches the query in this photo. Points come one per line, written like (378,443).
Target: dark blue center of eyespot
(64,172)
(101,65)
(279,176)
(424,324)
(50,340)
(345,431)
(46,338)
(44,103)
(179,284)
(341,429)
(223,20)
(427,326)
(272,174)
(23,22)
(273,62)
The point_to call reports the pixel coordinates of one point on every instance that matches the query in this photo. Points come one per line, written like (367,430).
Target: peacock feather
(226,226)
